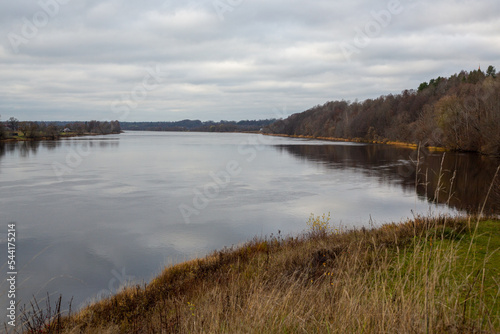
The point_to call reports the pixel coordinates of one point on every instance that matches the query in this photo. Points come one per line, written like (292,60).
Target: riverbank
(364,141)
(422,275)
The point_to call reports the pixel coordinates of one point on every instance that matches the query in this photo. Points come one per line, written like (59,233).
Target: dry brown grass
(413,277)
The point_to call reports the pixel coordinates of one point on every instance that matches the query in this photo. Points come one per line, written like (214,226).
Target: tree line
(199,126)
(13,128)
(461,113)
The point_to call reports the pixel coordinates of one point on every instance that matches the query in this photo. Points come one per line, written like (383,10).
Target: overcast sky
(157,60)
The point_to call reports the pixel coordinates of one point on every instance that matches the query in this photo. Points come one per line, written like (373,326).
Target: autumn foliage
(461,113)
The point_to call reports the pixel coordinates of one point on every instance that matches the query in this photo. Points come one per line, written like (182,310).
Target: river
(95,213)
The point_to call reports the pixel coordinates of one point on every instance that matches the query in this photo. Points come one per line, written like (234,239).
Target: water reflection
(28,148)
(463,183)
(458,179)
(113,211)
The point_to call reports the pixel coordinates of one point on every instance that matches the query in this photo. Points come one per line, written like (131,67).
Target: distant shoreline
(362,141)
(46,138)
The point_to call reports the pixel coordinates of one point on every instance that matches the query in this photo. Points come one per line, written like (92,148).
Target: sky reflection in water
(114,214)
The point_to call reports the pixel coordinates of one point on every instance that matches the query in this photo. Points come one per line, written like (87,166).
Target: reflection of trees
(50,145)
(25,148)
(109,143)
(467,177)
(464,182)
(373,160)
(2,151)
(28,147)
(10,147)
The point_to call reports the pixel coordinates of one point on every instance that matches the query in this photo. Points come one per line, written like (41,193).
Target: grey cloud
(261,56)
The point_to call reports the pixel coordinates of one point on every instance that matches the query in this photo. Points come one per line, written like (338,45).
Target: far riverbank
(361,140)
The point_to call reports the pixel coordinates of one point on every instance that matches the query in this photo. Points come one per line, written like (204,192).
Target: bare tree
(2,130)
(13,123)
(52,131)
(30,130)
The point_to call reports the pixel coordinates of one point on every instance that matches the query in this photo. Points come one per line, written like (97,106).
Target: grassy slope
(423,275)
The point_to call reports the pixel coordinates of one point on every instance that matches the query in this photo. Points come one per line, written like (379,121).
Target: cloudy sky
(157,60)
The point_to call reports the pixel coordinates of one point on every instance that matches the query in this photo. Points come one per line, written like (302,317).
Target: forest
(15,129)
(199,126)
(460,113)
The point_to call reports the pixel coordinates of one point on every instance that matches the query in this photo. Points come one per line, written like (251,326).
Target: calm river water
(94,213)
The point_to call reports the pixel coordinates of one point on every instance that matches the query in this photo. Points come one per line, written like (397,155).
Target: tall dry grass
(425,275)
